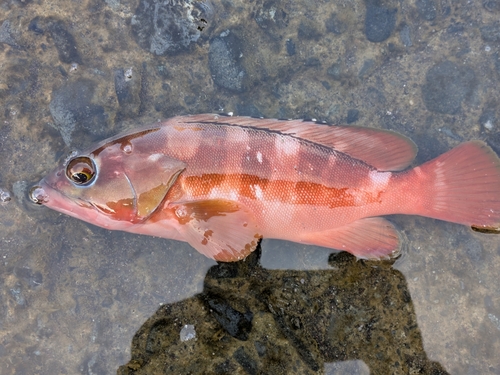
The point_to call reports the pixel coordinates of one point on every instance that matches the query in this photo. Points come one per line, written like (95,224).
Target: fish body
(222,183)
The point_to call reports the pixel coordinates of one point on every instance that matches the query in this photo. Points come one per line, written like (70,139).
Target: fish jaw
(46,195)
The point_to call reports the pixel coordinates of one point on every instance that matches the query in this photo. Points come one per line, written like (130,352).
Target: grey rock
(446,86)
(379,22)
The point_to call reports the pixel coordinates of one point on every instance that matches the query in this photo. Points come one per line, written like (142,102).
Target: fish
(222,183)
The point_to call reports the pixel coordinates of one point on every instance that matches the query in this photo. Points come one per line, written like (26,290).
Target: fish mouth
(43,194)
(38,195)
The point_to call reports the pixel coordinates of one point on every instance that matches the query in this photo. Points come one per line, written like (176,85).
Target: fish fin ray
(368,238)
(383,149)
(220,229)
(463,186)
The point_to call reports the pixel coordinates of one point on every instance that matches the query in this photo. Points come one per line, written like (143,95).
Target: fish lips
(45,194)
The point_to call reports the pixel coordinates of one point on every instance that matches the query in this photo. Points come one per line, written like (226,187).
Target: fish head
(116,185)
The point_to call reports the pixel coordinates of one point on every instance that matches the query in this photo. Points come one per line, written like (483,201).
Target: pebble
(379,22)
(446,86)
(224,56)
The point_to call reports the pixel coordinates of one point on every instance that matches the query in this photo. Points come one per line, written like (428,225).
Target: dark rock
(64,42)
(271,15)
(326,85)
(312,61)
(248,364)
(491,5)
(456,27)
(72,111)
(474,251)
(446,86)
(379,22)
(427,9)
(491,32)
(224,62)
(248,110)
(334,25)
(234,322)
(308,30)
(405,36)
(290,47)
(496,61)
(166,27)
(6,34)
(34,26)
(122,87)
(335,71)
(352,116)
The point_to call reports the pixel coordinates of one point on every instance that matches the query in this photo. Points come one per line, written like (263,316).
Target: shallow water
(80,299)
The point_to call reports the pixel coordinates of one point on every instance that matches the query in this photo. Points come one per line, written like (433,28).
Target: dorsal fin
(383,149)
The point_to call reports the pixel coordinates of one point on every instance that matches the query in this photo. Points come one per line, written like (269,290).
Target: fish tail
(461,186)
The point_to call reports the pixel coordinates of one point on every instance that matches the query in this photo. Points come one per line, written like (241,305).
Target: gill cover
(124,185)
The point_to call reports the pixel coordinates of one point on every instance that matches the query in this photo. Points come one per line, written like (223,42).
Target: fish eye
(81,170)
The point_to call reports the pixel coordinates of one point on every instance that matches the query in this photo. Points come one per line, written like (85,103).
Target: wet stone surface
(75,298)
(297,320)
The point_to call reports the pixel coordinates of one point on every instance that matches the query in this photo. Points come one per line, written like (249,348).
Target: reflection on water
(252,320)
(72,296)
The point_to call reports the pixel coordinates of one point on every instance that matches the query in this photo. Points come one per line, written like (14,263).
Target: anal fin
(368,238)
(221,229)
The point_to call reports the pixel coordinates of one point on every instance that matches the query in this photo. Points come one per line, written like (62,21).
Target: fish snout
(38,195)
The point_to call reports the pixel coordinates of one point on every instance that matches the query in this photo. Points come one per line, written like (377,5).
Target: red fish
(223,183)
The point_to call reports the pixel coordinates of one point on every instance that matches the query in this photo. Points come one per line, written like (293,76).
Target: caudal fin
(463,186)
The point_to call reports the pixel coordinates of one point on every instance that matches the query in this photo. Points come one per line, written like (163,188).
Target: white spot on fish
(154,157)
(214,193)
(258,192)
(380,179)
(233,195)
(259,157)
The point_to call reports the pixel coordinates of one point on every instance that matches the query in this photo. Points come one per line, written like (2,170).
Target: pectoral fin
(369,238)
(221,229)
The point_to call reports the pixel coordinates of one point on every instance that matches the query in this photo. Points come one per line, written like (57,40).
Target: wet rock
(271,15)
(123,83)
(248,364)
(167,27)
(72,110)
(19,188)
(28,276)
(335,71)
(491,32)
(224,57)
(352,116)
(379,22)
(308,30)
(248,109)
(6,34)
(427,9)
(446,86)
(64,42)
(491,5)
(237,324)
(474,251)
(334,25)
(290,47)
(488,119)
(35,27)
(405,36)
(496,61)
